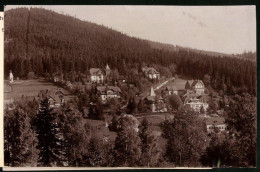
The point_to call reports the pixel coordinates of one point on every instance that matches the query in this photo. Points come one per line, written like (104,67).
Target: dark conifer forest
(42,41)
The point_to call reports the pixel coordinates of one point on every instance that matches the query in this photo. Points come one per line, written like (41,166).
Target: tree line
(36,134)
(38,41)
(59,137)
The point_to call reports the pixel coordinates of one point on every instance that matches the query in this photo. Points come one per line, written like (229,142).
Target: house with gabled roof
(196,85)
(170,90)
(195,96)
(107,92)
(213,123)
(151,73)
(96,75)
(56,98)
(196,101)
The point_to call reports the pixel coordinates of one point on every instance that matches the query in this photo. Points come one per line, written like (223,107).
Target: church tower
(11,77)
(152,93)
(108,70)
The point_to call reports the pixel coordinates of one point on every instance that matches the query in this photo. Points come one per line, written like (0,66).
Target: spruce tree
(47,134)
(29,140)
(20,140)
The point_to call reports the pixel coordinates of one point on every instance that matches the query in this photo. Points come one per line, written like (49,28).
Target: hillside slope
(172,48)
(41,40)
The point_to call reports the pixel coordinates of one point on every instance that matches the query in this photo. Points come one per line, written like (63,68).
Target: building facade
(151,73)
(215,123)
(195,96)
(96,75)
(108,92)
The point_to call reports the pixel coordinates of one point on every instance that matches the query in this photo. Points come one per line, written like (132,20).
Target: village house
(107,92)
(195,96)
(56,98)
(191,92)
(195,85)
(214,123)
(151,73)
(96,75)
(160,105)
(57,77)
(170,90)
(196,101)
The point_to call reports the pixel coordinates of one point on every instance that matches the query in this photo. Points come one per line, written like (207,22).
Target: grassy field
(155,127)
(147,91)
(179,83)
(28,88)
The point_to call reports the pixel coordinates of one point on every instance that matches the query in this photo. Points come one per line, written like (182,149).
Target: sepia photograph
(130,86)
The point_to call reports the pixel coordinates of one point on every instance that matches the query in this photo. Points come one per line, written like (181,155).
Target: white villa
(107,92)
(195,85)
(196,101)
(195,96)
(151,73)
(96,75)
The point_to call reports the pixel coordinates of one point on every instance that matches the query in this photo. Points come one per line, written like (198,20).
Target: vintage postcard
(129,86)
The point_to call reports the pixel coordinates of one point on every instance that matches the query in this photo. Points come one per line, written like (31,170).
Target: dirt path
(156,87)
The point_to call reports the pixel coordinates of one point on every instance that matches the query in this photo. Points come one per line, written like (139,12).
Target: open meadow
(27,88)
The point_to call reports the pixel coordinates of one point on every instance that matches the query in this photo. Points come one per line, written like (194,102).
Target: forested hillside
(42,41)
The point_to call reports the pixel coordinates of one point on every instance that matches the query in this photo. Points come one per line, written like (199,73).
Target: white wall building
(108,92)
(96,75)
(214,123)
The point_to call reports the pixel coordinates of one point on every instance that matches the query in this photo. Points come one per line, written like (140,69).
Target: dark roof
(215,121)
(171,88)
(152,71)
(149,70)
(190,82)
(150,98)
(106,88)
(63,92)
(195,82)
(95,71)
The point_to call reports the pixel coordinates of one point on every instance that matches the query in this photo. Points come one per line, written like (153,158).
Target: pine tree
(12,135)
(20,139)
(30,153)
(47,134)
(131,105)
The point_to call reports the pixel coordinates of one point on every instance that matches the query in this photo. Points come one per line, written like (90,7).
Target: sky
(226,29)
